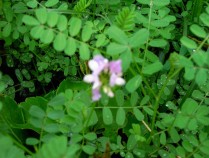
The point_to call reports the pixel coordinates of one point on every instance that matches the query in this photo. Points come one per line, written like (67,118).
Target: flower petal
(88,78)
(93,65)
(120,81)
(108,91)
(115,66)
(113,78)
(96,94)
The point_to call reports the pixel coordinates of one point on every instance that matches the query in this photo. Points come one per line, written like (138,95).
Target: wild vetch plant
(95,78)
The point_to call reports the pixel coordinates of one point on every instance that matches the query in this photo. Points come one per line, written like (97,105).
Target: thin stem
(22,146)
(149,23)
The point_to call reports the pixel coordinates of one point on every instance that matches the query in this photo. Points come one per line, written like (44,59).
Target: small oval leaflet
(134,83)
(120,116)
(107,116)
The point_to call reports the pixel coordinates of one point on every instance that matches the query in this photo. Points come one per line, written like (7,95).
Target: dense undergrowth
(50,48)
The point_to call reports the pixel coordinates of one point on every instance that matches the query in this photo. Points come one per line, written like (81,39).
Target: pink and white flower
(105,75)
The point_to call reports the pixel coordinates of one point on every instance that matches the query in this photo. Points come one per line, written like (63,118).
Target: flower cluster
(105,75)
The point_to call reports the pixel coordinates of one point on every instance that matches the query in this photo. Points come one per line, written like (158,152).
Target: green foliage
(125,19)
(162,110)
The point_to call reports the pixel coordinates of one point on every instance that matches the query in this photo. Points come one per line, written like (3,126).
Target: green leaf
(8,12)
(163,138)
(27,84)
(93,119)
(144,100)
(51,127)
(187,145)
(152,68)
(55,114)
(57,100)
(72,150)
(115,49)
(41,15)
(26,74)
(89,149)
(205,19)
(188,42)
(90,136)
(192,125)
(134,83)
(198,31)
(118,35)
(71,46)
(201,76)
(2,86)
(84,51)
(37,31)
(37,112)
(56,145)
(134,98)
(7,30)
(126,58)
(60,42)
(131,142)
(189,107)
(30,20)
(148,110)
(120,116)
(158,43)
(52,18)
(18,75)
(200,58)
(107,116)
(161,3)
(47,36)
(174,135)
(51,3)
(86,33)
(119,95)
(32,4)
(62,23)
(189,73)
(75,26)
(8,149)
(138,114)
(32,141)
(139,38)
(101,40)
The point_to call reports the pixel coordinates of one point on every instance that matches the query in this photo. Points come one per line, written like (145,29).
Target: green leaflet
(138,114)
(7,30)
(107,116)
(30,20)
(75,26)
(47,36)
(198,31)
(152,68)
(139,38)
(115,49)
(62,23)
(52,19)
(120,116)
(134,83)
(51,3)
(84,51)
(158,43)
(71,46)
(118,35)
(188,42)
(41,15)
(60,42)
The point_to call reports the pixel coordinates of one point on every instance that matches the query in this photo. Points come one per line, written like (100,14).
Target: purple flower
(104,75)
